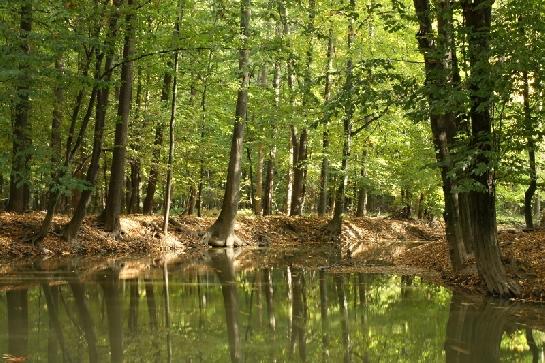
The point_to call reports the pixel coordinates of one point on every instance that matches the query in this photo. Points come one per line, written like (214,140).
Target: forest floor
(369,244)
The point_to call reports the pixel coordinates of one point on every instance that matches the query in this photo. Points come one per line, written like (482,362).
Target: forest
(419,110)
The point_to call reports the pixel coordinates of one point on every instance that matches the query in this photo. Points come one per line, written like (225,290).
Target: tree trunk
(259,182)
(72,228)
(151,188)
(437,53)
(192,200)
(53,193)
(335,224)
(168,186)
(117,173)
(477,16)
(361,210)
(221,233)
(20,177)
(324,171)
(299,146)
(531,147)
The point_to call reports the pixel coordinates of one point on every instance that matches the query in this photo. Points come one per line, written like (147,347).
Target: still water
(215,312)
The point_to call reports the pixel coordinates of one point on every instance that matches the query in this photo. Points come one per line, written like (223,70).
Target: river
(215,311)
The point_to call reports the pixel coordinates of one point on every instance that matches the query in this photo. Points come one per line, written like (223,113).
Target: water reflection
(212,311)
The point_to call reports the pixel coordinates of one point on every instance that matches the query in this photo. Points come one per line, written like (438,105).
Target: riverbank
(371,244)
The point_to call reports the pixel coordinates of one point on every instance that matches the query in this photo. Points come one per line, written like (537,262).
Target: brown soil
(381,245)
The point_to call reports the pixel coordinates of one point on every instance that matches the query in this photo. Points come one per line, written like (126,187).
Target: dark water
(213,312)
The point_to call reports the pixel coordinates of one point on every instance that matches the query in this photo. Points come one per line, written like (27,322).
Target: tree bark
(221,233)
(20,177)
(478,17)
(117,173)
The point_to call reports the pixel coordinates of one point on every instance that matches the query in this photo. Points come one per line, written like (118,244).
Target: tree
(221,233)
(478,17)
(117,174)
(19,190)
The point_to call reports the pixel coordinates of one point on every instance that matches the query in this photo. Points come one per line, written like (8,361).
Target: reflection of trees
(223,264)
(133,305)
(299,309)
(324,317)
(152,306)
(56,336)
(269,292)
(110,286)
(476,326)
(339,283)
(17,305)
(85,319)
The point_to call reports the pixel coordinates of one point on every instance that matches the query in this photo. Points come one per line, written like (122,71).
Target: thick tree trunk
(437,55)
(221,233)
(20,177)
(477,16)
(72,228)
(117,173)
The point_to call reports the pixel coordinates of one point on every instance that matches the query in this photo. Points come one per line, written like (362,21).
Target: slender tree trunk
(259,182)
(478,17)
(221,233)
(361,210)
(168,186)
(157,145)
(20,177)
(56,123)
(117,173)
(72,228)
(268,196)
(324,171)
(133,203)
(335,224)
(531,147)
